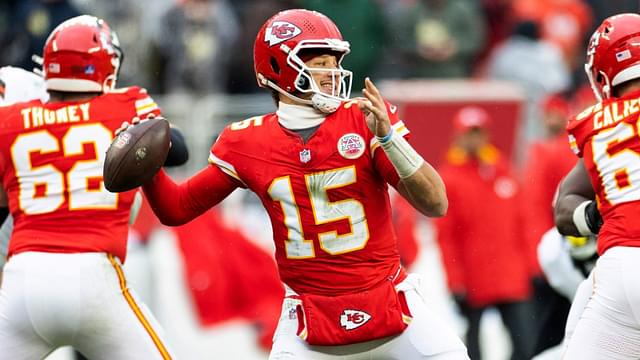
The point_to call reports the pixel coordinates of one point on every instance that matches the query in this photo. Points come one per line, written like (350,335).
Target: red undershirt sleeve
(176,204)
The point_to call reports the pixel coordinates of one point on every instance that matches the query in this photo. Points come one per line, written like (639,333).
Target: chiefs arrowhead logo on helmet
(352,319)
(280,31)
(278,66)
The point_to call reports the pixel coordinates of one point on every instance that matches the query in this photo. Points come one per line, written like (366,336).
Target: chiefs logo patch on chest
(351,146)
(353,319)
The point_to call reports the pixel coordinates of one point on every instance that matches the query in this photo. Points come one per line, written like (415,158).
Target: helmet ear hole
(302,82)
(274,65)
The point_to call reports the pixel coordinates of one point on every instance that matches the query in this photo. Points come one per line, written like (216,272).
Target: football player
(321,165)
(606,181)
(16,85)
(63,281)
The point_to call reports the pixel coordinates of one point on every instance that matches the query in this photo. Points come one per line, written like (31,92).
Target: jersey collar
(295,117)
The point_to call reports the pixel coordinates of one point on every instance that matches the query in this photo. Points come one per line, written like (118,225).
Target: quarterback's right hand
(374,110)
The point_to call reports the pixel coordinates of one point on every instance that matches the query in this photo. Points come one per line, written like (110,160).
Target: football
(136,155)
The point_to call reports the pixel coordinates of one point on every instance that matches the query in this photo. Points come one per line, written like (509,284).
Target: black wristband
(178,153)
(593,217)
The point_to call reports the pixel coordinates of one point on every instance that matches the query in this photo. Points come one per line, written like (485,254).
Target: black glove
(460,299)
(593,217)
(4,212)
(178,153)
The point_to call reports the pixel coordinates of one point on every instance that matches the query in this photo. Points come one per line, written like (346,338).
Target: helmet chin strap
(320,102)
(324,103)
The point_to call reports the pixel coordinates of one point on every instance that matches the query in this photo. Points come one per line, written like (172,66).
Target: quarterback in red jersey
(321,165)
(606,138)
(63,282)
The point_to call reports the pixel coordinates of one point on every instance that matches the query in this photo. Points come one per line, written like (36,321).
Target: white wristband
(580,219)
(402,155)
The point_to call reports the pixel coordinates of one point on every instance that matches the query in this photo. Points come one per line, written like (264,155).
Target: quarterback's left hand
(374,109)
(134,121)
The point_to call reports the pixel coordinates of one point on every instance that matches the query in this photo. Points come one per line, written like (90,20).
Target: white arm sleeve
(404,158)
(556,264)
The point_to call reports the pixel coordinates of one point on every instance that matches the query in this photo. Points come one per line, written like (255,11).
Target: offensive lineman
(63,282)
(606,138)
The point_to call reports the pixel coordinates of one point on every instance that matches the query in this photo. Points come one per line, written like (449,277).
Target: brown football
(136,155)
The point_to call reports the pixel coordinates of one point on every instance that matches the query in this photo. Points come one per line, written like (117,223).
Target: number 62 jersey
(607,137)
(51,159)
(327,198)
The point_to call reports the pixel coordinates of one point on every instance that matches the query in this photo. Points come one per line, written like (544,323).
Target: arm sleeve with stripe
(176,204)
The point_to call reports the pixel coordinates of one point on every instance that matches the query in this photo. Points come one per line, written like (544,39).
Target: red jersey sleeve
(144,104)
(223,154)
(578,133)
(177,204)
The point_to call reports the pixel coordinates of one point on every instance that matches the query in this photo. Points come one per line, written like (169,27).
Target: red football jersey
(51,159)
(607,137)
(327,198)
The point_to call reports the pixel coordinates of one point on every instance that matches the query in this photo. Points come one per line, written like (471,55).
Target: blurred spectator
(435,38)
(536,65)
(549,160)
(362,22)
(29,26)
(499,24)
(481,236)
(562,22)
(604,9)
(251,14)
(7,12)
(193,46)
(405,222)
(134,34)
(229,277)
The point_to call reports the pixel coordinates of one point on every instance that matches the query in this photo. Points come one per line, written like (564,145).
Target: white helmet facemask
(341,79)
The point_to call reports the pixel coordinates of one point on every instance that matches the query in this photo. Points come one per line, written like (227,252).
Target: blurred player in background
(63,281)
(480,237)
(549,160)
(16,85)
(605,137)
(566,262)
(321,165)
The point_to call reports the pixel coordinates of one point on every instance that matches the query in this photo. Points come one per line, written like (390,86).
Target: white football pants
(609,326)
(48,300)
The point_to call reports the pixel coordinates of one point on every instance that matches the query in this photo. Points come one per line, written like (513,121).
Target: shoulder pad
(251,122)
(588,112)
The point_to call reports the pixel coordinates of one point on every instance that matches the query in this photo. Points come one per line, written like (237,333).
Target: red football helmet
(82,55)
(613,56)
(277,62)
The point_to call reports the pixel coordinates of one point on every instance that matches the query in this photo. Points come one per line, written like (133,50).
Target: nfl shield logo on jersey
(351,146)
(305,156)
(352,319)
